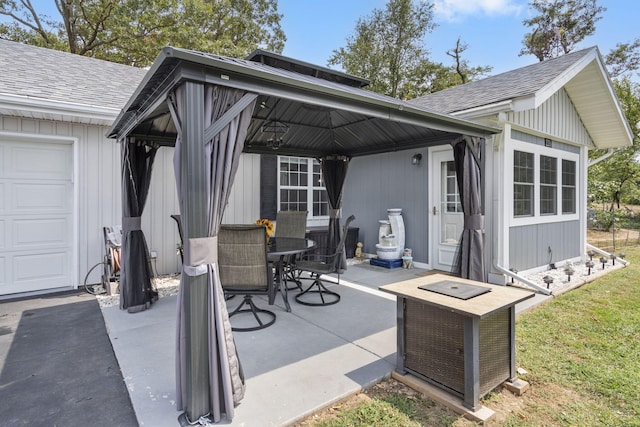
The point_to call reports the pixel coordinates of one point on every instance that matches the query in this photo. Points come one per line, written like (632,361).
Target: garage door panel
(33,272)
(39,161)
(39,266)
(39,233)
(41,197)
(36,215)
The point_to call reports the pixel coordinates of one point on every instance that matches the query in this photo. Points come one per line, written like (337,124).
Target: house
(60,182)
(60,178)
(535,171)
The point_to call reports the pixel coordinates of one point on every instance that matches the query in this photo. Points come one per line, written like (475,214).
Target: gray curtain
(209,379)
(469,262)
(334,173)
(136,292)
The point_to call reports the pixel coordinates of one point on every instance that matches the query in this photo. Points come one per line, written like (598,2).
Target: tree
(134,31)
(387,47)
(617,178)
(559,26)
(462,68)
(624,58)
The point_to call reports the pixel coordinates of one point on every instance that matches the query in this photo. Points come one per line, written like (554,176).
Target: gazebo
(213,108)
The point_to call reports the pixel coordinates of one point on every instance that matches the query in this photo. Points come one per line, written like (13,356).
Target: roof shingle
(51,75)
(509,85)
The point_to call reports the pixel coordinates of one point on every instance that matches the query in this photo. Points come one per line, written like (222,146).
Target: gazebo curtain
(334,173)
(212,123)
(136,292)
(469,263)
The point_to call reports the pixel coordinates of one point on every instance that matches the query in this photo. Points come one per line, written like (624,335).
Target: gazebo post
(194,224)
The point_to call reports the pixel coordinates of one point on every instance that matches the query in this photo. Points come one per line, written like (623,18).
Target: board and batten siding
(378,182)
(98,187)
(556,117)
(529,244)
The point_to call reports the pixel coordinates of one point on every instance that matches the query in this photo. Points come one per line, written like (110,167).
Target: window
(548,185)
(544,183)
(568,187)
(301,187)
(523,175)
(452,196)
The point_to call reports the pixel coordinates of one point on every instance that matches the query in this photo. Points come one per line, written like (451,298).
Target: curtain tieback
(131,223)
(335,213)
(474,222)
(198,253)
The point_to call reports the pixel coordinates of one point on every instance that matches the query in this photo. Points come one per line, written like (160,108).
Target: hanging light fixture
(275,131)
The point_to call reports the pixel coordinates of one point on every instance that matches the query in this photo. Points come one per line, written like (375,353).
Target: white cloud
(453,10)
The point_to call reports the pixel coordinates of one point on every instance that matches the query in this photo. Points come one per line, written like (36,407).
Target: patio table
(278,251)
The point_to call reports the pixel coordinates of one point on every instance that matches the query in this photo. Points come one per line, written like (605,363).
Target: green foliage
(624,58)
(559,26)
(617,179)
(388,50)
(387,47)
(134,31)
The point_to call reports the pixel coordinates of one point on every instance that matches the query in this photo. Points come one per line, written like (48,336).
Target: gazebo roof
(322,111)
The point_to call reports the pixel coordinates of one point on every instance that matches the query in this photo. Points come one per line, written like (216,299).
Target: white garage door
(36,215)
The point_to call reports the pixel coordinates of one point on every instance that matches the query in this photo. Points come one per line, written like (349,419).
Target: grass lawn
(581,352)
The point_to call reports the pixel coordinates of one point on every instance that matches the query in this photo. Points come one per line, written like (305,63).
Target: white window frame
(537,151)
(311,219)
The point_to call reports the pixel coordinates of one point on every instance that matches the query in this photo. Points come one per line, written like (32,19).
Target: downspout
(610,152)
(522,279)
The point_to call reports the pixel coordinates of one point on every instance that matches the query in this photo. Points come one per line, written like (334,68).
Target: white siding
(99,194)
(556,117)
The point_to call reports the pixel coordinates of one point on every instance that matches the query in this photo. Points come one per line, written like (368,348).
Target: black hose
(86,288)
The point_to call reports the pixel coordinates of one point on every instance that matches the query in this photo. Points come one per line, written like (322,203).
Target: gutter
(522,279)
(44,107)
(607,254)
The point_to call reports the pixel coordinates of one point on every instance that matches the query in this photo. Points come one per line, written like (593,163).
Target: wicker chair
(317,265)
(244,270)
(291,224)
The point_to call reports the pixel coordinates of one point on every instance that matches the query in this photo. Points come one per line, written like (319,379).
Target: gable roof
(583,76)
(48,84)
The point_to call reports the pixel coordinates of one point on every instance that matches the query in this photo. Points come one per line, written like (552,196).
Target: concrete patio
(309,359)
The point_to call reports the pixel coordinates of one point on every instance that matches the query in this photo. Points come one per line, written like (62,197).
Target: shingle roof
(51,75)
(509,85)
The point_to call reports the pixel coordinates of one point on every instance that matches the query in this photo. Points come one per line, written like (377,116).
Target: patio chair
(244,270)
(291,224)
(316,265)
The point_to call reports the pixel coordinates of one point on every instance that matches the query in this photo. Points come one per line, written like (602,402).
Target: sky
(493,29)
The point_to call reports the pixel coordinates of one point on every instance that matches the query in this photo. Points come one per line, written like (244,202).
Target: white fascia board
(39,107)
(559,82)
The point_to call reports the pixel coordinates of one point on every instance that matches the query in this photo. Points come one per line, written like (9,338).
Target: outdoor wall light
(415,160)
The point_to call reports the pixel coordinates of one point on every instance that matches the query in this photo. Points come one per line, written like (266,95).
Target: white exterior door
(446,212)
(36,215)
